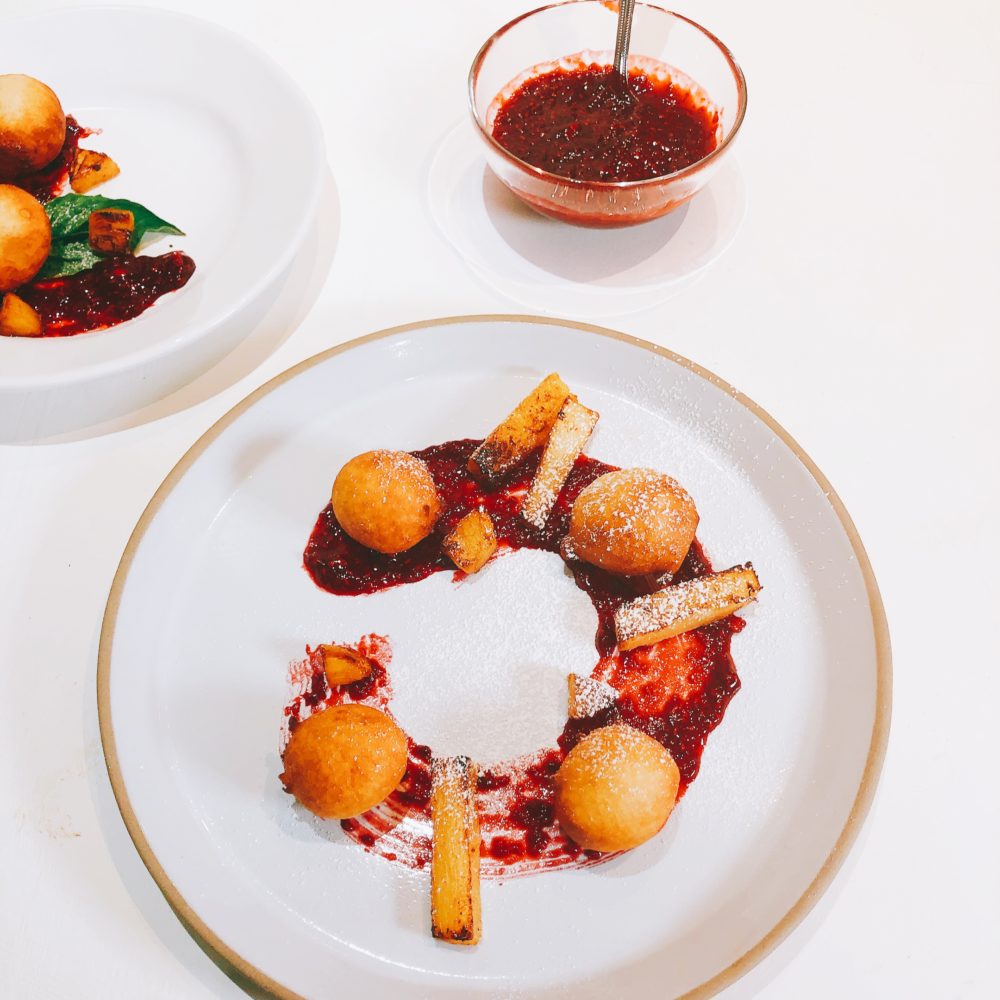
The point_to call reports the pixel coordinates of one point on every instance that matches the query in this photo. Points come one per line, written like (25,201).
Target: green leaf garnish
(68,257)
(69,216)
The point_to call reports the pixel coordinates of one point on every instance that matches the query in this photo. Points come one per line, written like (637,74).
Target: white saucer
(566,270)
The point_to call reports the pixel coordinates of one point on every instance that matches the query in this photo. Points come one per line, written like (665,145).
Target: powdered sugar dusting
(572,428)
(588,696)
(469,682)
(634,520)
(697,601)
(399,465)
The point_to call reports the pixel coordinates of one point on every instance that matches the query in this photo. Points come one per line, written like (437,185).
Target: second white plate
(210,134)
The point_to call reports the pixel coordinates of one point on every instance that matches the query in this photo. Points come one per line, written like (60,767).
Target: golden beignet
(32,125)
(386,500)
(344,760)
(615,789)
(633,522)
(25,237)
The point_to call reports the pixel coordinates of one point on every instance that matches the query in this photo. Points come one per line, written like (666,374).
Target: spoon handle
(625,10)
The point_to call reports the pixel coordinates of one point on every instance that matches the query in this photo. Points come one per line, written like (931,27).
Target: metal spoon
(622,39)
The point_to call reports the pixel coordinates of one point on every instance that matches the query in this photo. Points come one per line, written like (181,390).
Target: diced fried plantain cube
(111,230)
(587,696)
(456,910)
(18,319)
(573,426)
(343,665)
(89,169)
(685,606)
(471,542)
(525,429)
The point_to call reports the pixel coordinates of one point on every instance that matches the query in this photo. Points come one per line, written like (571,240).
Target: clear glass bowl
(585,29)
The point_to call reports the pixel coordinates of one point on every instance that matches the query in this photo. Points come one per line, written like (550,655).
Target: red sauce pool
(48,182)
(677,691)
(578,123)
(109,293)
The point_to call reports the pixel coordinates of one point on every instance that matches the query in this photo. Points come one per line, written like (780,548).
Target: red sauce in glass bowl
(578,123)
(677,690)
(109,293)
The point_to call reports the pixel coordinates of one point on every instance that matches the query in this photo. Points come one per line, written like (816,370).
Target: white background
(856,304)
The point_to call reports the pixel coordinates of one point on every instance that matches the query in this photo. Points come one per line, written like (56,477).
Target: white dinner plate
(211,604)
(210,134)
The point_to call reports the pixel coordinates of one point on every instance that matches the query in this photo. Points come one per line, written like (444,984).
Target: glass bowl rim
(546,175)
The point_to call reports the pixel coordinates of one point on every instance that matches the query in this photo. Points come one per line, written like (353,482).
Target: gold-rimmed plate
(211,603)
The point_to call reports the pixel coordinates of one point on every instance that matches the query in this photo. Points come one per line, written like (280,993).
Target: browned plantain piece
(525,429)
(471,542)
(89,169)
(456,910)
(685,606)
(574,425)
(588,696)
(111,230)
(343,665)
(18,319)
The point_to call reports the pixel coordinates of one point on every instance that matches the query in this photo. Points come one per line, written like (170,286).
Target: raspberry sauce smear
(116,289)
(676,691)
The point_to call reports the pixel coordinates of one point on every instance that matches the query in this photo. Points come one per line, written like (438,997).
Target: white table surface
(857,304)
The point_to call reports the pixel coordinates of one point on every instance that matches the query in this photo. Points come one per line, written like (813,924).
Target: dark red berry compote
(677,690)
(580,123)
(116,289)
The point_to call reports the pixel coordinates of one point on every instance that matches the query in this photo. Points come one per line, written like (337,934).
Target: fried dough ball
(633,522)
(615,789)
(32,125)
(344,760)
(25,237)
(386,500)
